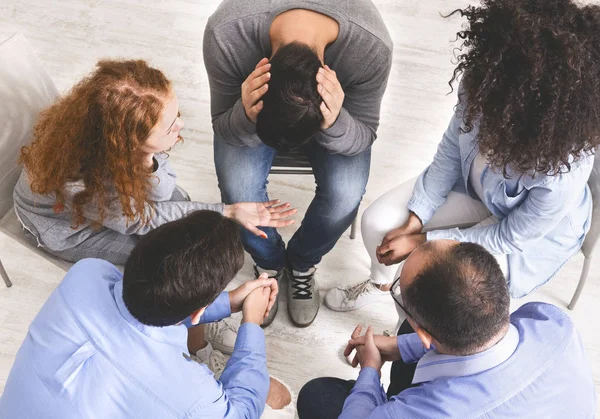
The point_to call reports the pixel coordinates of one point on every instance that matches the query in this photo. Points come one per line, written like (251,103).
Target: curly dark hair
(530,82)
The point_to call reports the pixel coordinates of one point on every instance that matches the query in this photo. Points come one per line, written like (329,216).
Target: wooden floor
(70,36)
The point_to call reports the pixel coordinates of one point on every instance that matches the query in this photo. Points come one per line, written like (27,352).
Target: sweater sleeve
(229,119)
(160,213)
(355,130)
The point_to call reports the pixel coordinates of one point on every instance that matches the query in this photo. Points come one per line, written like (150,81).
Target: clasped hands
(254,298)
(257,84)
(372,350)
(399,243)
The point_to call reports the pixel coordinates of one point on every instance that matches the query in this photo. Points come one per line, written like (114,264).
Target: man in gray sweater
(273,86)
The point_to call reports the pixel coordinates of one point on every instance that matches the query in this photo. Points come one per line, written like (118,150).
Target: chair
(591,239)
(25,89)
(296,163)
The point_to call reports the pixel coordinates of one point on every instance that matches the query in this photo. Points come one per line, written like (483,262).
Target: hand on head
(332,93)
(254,88)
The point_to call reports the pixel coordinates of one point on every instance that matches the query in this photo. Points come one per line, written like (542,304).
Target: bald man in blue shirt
(460,354)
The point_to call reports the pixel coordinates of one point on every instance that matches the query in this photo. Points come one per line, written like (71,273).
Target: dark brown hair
(531,82)
(181,267)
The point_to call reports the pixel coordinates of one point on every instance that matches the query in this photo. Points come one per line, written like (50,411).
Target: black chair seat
(294,158)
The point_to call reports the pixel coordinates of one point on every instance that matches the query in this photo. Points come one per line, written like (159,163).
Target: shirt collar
(433,365)
(168,334)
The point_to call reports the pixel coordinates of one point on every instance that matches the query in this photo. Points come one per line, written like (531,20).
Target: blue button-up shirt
(538,370)
(86,356)
(543,219)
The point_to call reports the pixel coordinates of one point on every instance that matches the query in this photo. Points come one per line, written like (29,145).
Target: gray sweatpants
(108,244)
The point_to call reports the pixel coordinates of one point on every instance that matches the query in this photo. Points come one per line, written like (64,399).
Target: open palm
(252,215)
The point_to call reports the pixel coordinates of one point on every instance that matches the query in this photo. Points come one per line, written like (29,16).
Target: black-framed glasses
(395,284)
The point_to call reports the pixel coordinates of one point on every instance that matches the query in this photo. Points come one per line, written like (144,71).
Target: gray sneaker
(272,274)
(303,298)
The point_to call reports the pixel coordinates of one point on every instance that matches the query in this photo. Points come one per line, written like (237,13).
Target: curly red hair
(93,134)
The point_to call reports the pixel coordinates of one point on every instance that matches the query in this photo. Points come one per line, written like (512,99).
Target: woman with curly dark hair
(511,171)
(96,174)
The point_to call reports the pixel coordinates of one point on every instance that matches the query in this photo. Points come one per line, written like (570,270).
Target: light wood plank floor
(70,36)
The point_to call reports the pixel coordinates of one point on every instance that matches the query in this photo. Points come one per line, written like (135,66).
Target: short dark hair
(460,297)
(291,115)
(181,267)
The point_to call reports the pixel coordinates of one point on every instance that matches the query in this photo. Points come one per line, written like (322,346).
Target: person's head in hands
(181,267)
(291,114)
(455,296)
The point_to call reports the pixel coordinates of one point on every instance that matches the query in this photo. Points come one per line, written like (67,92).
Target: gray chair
(591,239)
(25,89)
(296,163)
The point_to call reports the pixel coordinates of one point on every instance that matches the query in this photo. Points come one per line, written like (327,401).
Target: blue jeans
(341,181)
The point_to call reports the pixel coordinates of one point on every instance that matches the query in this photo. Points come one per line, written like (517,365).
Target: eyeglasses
(396,284)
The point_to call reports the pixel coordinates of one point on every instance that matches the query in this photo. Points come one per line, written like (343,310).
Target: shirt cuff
(422,209)
(218,310)
(340,126)
(449,234)
(251,337)
(369,380)
(411,348)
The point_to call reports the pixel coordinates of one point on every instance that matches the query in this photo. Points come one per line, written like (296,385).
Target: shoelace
(216,363)
(357,290)
(257,273)
(302,287)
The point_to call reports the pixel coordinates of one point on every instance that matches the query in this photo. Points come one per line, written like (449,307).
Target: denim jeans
(324,398)
(341,181)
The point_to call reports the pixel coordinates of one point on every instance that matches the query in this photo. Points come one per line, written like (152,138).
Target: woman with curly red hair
(96,175)
(511,171)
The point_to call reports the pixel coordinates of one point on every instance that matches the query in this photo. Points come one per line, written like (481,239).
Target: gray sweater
(55,230)
(237,37)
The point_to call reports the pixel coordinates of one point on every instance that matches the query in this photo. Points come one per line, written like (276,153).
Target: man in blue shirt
(107,345)
(467,357)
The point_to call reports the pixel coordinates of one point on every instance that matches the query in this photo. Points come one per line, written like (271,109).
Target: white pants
(390,211)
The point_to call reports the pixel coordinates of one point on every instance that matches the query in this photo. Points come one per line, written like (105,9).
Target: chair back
(25,90)
(593,234)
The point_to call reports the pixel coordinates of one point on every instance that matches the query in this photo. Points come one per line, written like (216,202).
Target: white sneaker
(355,296)
(213,359)
(222,334)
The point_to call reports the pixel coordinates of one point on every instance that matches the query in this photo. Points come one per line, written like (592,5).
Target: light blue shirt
(86,356)
(543,219)
(538,370)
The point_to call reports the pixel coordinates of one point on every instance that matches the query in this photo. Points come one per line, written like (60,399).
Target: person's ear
(425,337)
(195,317)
